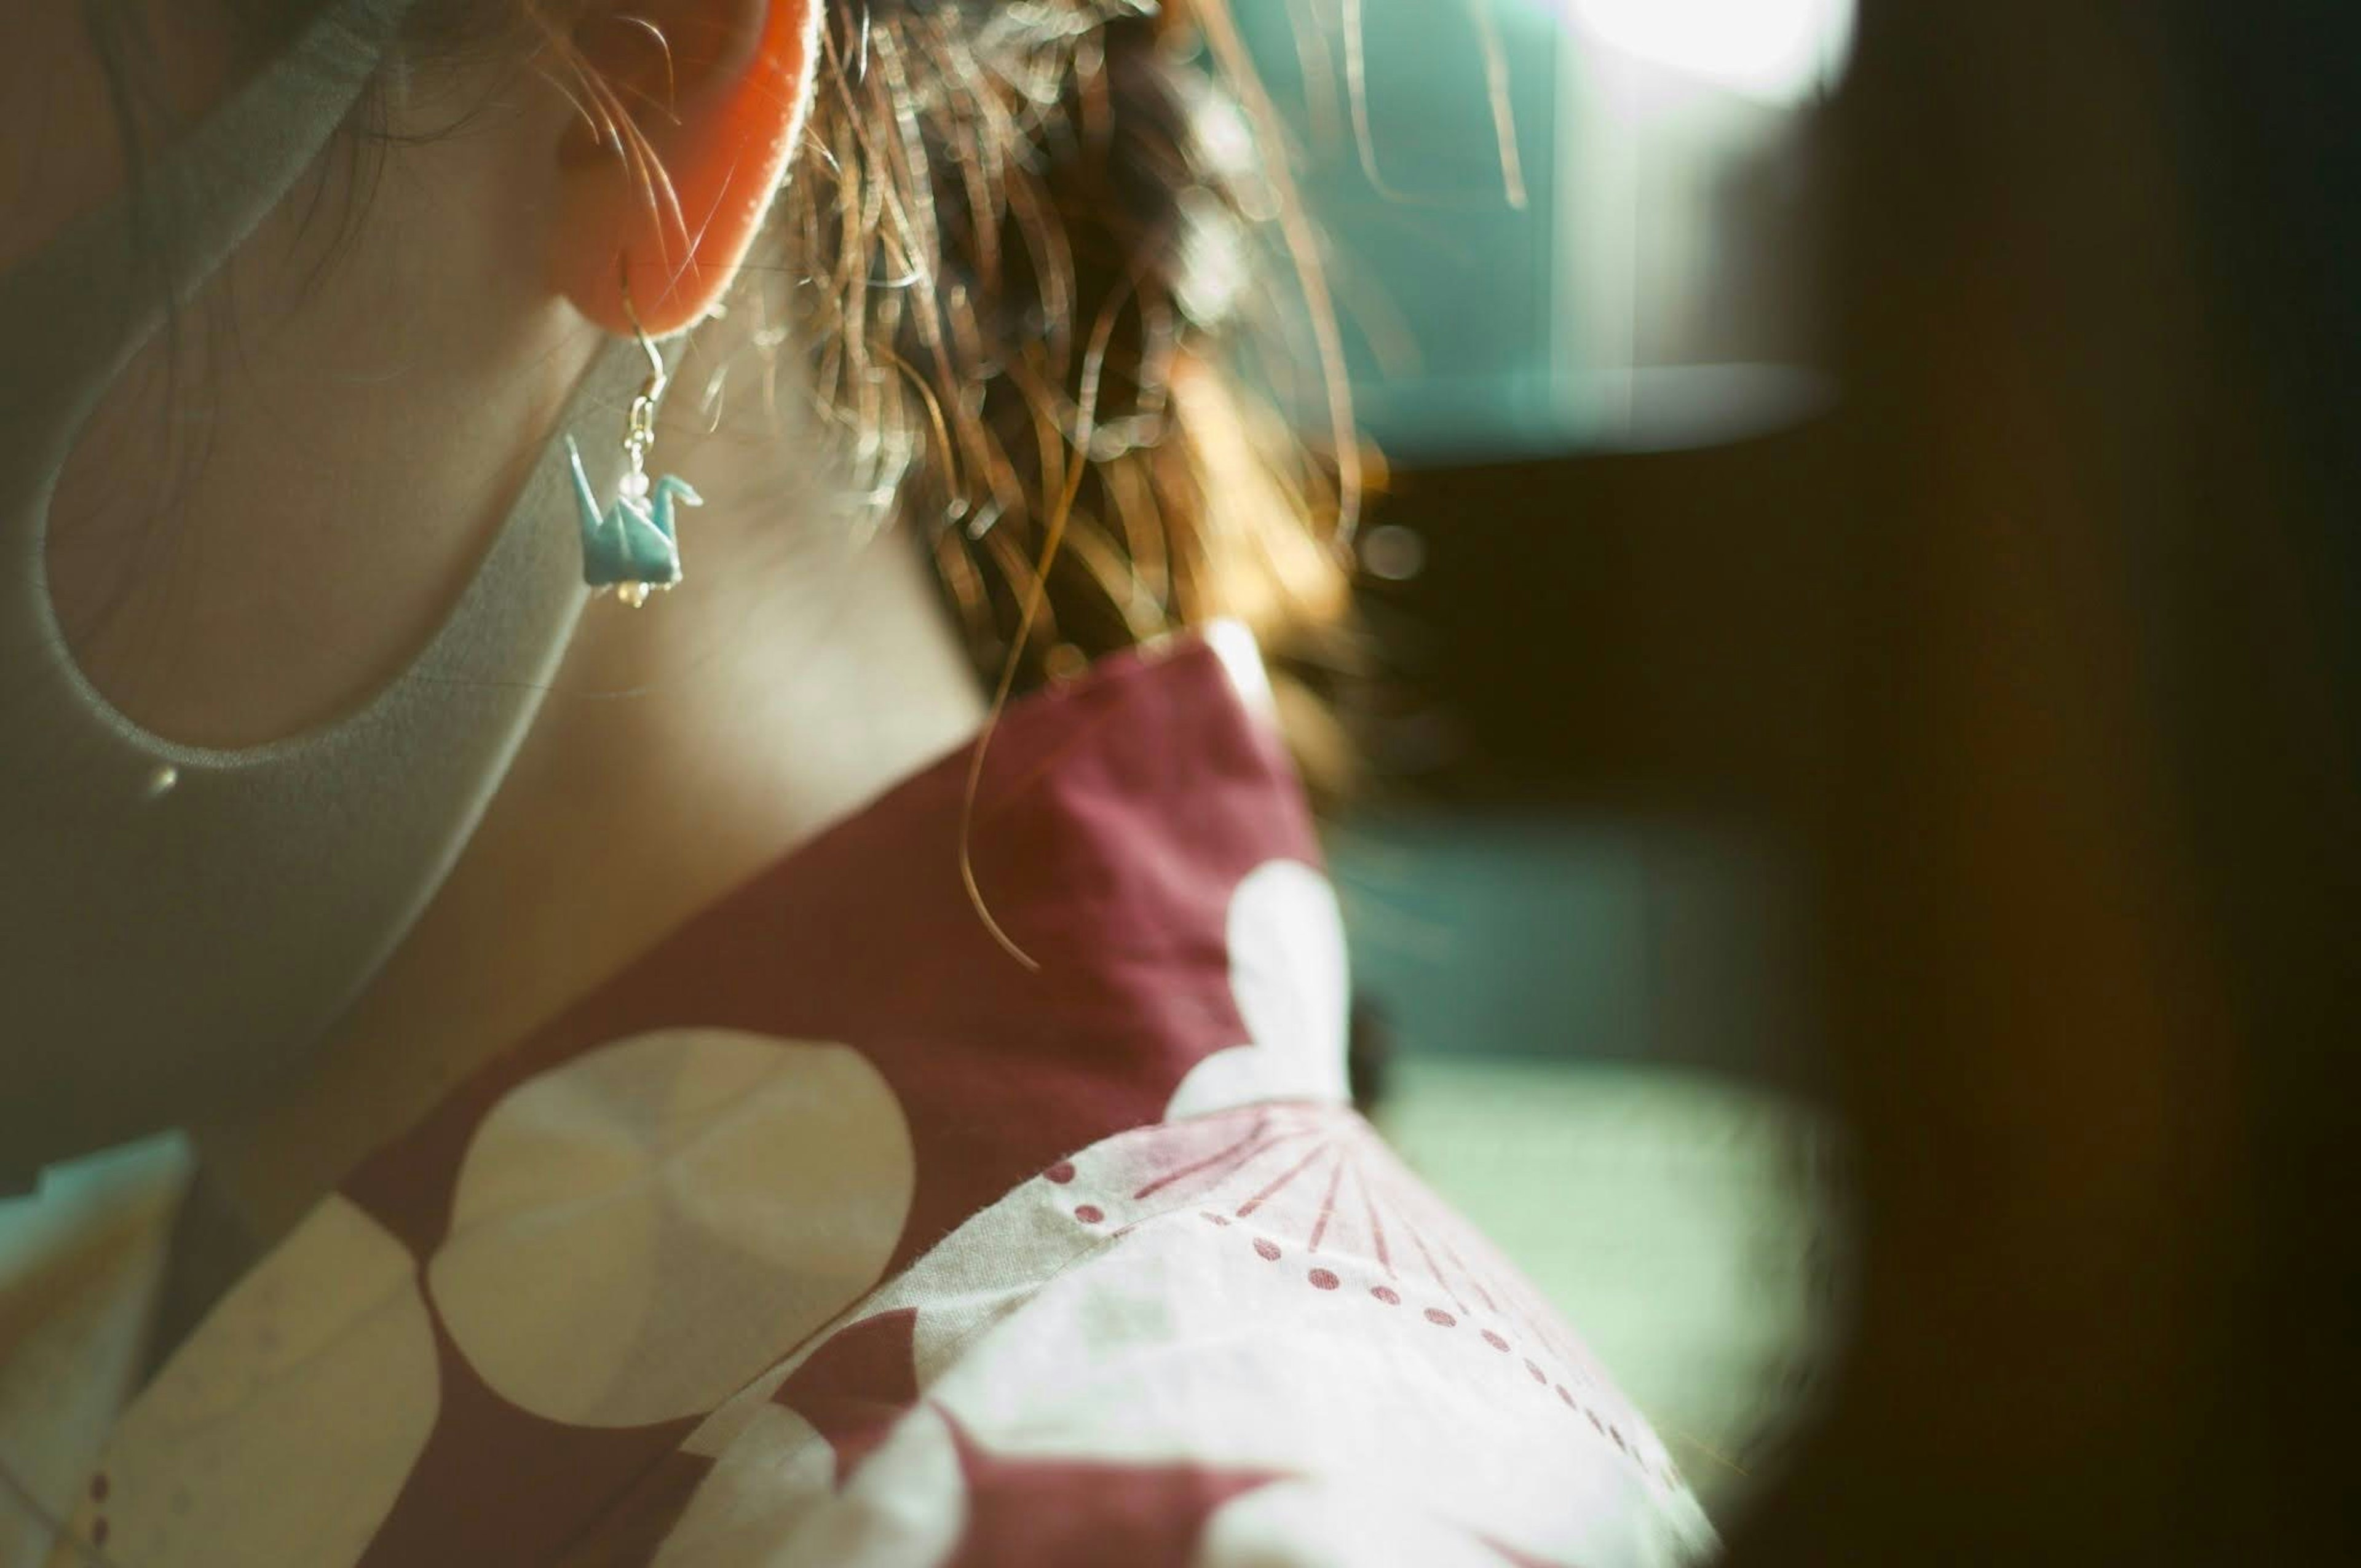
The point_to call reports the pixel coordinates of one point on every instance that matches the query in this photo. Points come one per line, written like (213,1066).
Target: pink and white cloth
(828,1234)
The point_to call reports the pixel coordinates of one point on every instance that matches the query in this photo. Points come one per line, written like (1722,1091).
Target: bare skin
(388,406)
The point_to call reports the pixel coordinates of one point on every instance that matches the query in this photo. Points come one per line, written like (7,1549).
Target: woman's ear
(692,108)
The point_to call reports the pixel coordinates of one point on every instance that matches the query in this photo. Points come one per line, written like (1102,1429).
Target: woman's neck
(800,670)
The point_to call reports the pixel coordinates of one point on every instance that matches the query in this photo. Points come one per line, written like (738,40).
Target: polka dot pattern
(1286,945)
(1314,1176)
(686,1295)
(330,1339)
(637,1233)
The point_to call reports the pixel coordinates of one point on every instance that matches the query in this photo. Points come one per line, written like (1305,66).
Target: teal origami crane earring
(633,546)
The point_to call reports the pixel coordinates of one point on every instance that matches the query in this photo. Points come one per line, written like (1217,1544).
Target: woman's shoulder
(1248,1336)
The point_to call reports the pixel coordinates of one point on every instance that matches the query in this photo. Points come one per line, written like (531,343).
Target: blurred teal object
(1540,935)
(1600,1041)
(1684,1223)
(1559,227)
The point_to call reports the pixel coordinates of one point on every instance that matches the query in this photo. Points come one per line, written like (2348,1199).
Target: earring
(632,546)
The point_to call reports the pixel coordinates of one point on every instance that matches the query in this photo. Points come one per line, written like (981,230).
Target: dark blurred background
(1582,253)
(1862,882)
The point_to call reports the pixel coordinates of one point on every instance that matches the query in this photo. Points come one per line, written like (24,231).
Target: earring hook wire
(639,430)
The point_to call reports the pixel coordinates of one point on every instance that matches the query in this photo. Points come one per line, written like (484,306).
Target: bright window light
(1782,52)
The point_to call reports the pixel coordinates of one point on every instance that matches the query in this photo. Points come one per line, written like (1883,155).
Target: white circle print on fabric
(1309,1524)
(1286,939)
(283,1432)
(642,1230)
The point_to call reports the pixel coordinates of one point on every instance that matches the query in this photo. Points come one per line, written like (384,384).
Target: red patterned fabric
(828,1234)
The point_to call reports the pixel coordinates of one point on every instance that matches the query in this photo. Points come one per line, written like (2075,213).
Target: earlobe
(709,97)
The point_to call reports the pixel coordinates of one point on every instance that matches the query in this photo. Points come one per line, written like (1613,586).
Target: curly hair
(1021,273)
(1023,266)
